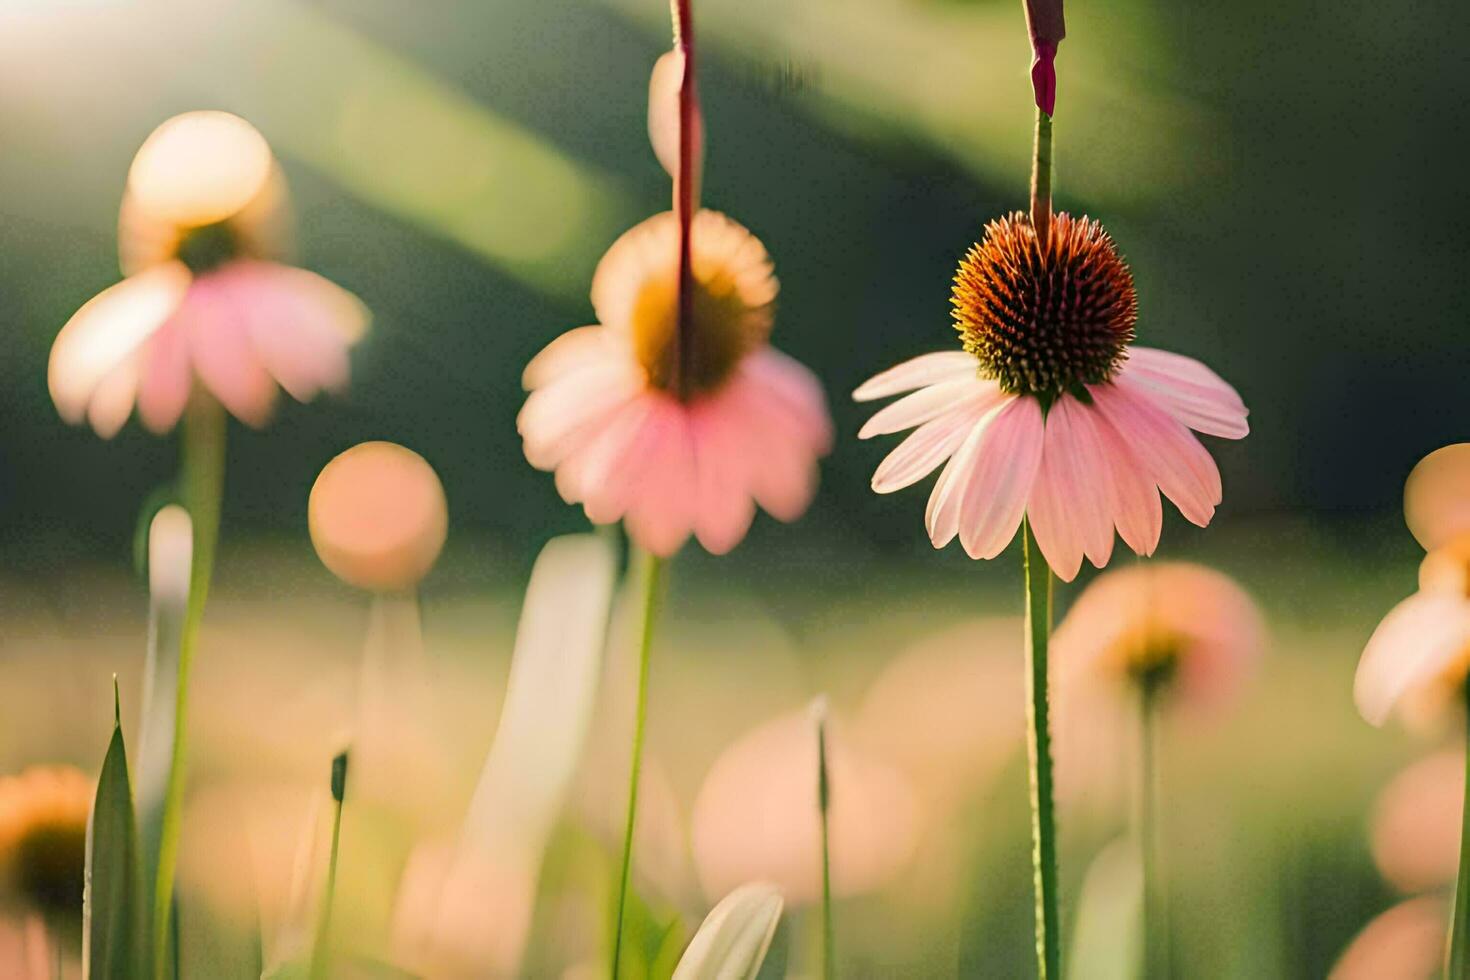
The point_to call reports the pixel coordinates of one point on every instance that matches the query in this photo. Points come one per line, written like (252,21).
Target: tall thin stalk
(824,807)
(202,479)
(1155,900)
(321,946)
(1038,754)
(652,589)
(1459,958)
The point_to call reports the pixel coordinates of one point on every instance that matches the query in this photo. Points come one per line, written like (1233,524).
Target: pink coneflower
(1180,624)
(204,301)
(1047,413)
(677,441)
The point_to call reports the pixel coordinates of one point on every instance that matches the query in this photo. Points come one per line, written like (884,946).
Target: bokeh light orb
(378,517)
(199,168)
(1437,495)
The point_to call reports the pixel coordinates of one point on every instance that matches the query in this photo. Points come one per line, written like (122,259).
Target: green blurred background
(1283,178)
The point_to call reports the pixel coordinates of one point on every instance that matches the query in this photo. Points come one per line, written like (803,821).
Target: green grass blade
(110,900)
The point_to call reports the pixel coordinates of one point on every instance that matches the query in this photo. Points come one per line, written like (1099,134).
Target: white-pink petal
(223,357)
(1187,390)
(923,405)
(1412,646)
(1135,506)
(661,514)
(558,417)
(1093,473)
(577,348)
(723,463)
(1003,473)
(932,443)
(794,388)
(300,324)
(107,330)
(167,378)
(918,372)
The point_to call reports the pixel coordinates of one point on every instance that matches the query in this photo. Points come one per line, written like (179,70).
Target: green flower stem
(1155,900)
(824,801)
(1038,754)
(1459,960)
(1041,179)
(320,948)
(202,479)
(652,569)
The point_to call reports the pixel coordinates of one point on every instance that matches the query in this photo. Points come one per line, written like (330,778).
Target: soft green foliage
(110,900)
(735,937)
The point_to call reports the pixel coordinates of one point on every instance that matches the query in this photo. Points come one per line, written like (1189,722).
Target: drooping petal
(1068,507)
(932,443)
(1411,646)
(661,515)
(923,405)
(723,465)
(1169,452)
(918,372)
(112,402)
(663,116)
(942,515)
(557,417)
(1092,475)
(602,473)
(577,348)
(223,356)
(783,477)
(1135,506)
(1004,472)
(1188,390)
(300,324)
(166,378)
(108,329)
(797,390)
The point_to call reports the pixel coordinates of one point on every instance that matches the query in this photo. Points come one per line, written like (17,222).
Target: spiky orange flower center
(723,328)
(1045,320)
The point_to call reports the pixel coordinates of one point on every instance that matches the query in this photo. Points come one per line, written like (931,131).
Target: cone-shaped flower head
(677,422)
(1048,412)
(206,300)
(1182,624)
(43,834)
(1417,661)
(378,517)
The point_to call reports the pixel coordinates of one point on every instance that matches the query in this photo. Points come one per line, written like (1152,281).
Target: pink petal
(558,417)
(1004,472)
(577,348)
(723,464)
(1412,646)
(223,356)
(923,405)
(300,324)
(1061,497)
(167,377)
(783,477)
(932,443)
(942,515)
(1169,452)
(796,389)
(1092,477)
(661,515)
(1135,505)
(603,474)
(920,372)
(1187,390)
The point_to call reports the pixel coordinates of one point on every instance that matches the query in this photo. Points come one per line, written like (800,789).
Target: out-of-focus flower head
(1183,623)
(677,421)
(756,816)
(1049,412)
(378,517)
(43,838)
(1416,823)
(1404,943)
(1417,661)
(206,300)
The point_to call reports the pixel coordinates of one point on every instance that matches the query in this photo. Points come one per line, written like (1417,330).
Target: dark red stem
(684,184)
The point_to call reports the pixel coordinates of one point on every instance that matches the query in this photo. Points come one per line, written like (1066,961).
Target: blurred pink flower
(1047,413)
(1404,943)
(1416,823)
(1191,622)
(202,302)
(673,441)
(1416,661)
